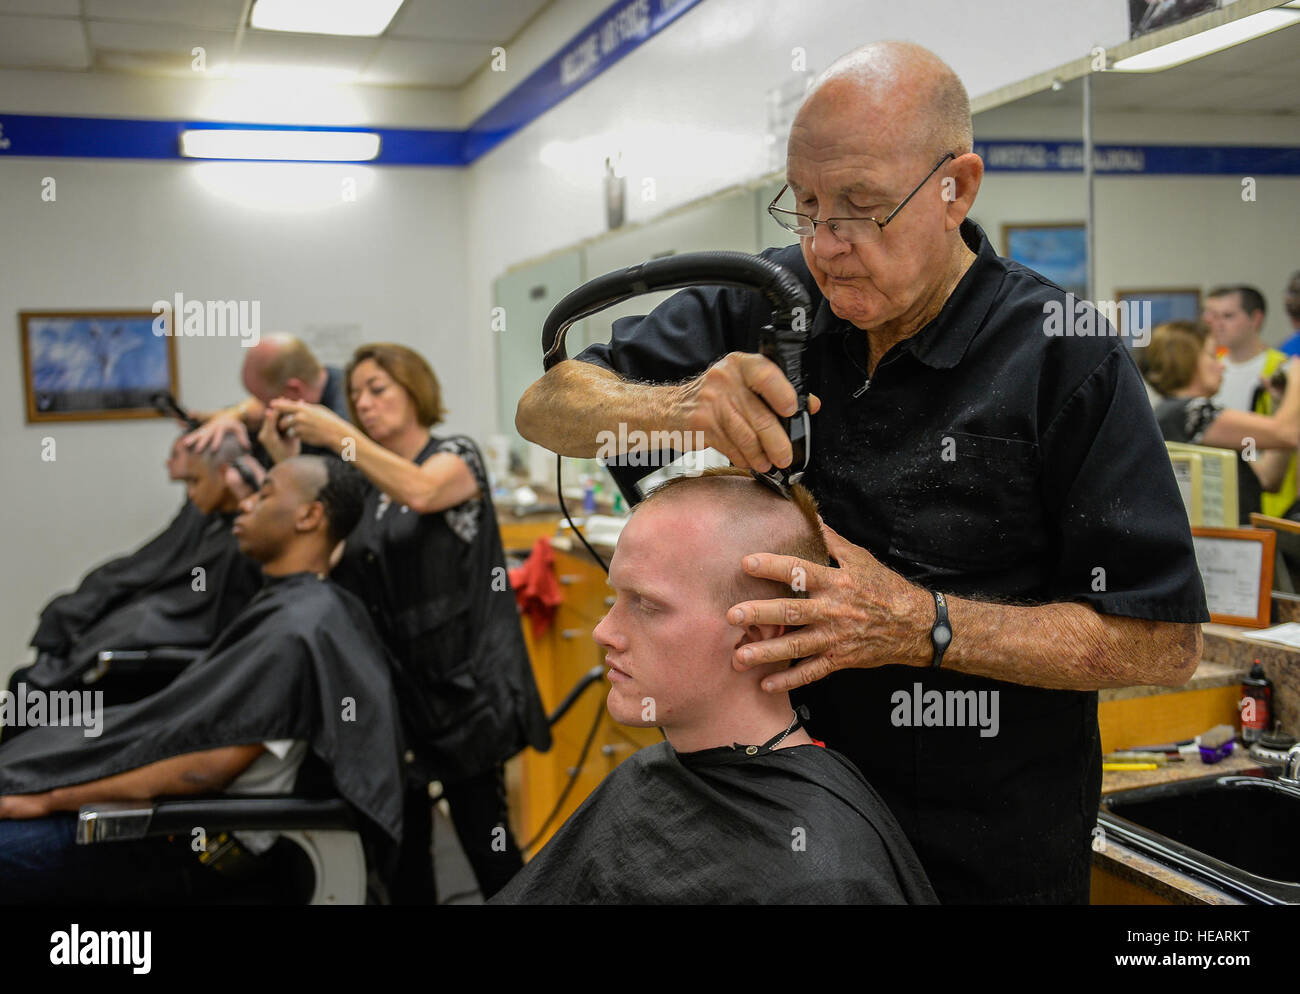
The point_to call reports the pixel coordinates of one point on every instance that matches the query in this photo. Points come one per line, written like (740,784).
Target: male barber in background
(280,365)
(959,449)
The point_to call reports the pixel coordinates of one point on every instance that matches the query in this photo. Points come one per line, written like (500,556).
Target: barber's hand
(235,482)
(736,403)
(18,806)
(210,434)
(278,446)
(314,424)
(859,615)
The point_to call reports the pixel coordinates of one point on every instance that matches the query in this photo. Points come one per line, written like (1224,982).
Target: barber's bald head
(281,365)
(916,96)
(745,517)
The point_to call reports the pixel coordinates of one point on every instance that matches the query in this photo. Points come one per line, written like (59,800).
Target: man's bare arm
(1062,646)
(730,407)
(193,773)
(567,409)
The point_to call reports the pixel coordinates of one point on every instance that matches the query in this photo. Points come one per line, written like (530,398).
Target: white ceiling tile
(315,51)
(425,63)
(158,47)
(42,41)
(219,14)
(496,21)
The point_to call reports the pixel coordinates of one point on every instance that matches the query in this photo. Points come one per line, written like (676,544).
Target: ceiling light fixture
(362,18)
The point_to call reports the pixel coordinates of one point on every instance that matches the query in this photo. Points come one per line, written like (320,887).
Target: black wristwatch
(941,633)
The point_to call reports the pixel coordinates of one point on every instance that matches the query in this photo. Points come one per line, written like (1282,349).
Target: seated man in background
(179,589)
(740,805)
(280,365)
(299,676)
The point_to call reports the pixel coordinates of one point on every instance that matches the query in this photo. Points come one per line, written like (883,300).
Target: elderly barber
(970,467)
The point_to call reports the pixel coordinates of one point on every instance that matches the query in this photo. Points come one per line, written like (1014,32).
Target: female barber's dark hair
(343,496)
(409,370)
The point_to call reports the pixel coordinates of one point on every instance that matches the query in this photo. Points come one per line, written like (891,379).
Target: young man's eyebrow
(639,590)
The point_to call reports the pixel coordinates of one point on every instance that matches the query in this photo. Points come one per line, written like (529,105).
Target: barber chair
(129,675)
(325,832)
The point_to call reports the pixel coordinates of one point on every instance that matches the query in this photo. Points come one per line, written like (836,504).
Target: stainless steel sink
(1238,832)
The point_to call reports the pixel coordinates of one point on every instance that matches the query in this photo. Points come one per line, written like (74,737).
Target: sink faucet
(1291,766)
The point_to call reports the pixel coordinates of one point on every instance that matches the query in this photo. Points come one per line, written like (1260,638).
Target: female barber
(427,560)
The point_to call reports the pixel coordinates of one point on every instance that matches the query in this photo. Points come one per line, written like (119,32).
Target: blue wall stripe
(618,31)
(1151,160)
(123,138)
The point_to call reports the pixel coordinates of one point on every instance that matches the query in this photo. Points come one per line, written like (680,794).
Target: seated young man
(299,676)
(739,805)
(179,589)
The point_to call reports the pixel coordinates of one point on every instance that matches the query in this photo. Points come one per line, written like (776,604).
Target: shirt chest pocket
(969,502)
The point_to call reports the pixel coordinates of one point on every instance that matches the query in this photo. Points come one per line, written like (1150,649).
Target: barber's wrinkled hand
(314,424)
(859,615)
(278,446)
(211,433)
(18,806)
(736,403)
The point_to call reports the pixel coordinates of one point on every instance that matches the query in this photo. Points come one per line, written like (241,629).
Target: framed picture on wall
(1057,250)
(95,365)
(1159,305)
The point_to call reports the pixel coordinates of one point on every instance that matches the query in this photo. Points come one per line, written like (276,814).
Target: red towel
(537,591)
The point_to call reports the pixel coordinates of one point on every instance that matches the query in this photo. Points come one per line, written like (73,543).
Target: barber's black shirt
(334,394)
(990,460)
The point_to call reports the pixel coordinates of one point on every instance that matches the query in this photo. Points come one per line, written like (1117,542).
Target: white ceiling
(1258,77)
(430,43)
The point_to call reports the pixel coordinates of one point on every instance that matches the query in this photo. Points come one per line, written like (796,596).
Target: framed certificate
(1237,569)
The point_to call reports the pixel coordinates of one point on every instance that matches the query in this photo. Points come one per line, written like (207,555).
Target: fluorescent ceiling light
(366,18)
(312,146)
(1214,40)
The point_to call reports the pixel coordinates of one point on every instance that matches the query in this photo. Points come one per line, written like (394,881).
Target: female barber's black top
(436,586)
(986,459)
(1186,419)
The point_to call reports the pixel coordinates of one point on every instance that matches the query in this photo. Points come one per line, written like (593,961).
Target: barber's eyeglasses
(854,230)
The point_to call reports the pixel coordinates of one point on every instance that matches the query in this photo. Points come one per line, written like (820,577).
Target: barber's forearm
(1064,646)
(568,408)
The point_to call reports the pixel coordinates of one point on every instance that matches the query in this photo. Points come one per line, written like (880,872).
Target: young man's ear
(311,516)
(759,633)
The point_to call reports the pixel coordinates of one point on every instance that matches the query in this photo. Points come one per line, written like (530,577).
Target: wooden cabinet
(561,657)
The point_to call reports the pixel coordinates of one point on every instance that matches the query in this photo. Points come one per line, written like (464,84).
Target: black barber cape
(301,661)
(794,826)
(148,599)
